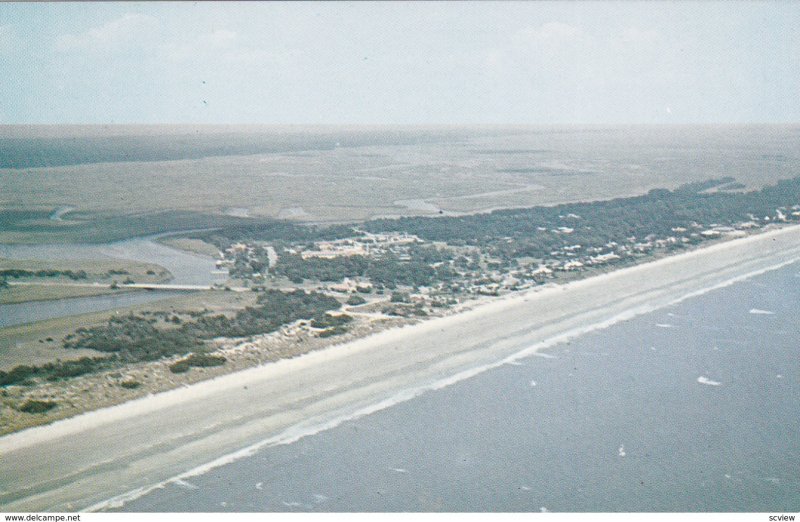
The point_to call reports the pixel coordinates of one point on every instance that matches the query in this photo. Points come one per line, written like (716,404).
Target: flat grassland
(102,271)
(195,246)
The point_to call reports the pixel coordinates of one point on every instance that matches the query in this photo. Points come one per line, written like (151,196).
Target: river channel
(186,268)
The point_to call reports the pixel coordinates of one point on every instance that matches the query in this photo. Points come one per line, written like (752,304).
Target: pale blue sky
(404,63)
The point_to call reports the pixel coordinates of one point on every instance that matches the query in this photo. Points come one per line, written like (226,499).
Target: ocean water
(695,407)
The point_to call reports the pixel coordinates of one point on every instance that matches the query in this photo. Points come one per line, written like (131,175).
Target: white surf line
(299,431)
(185,485)
(158,401)
(313,426)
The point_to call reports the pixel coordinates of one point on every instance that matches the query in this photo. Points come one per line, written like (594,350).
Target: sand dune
(96,459)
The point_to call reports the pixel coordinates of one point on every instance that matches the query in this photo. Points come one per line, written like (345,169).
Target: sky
(400,62)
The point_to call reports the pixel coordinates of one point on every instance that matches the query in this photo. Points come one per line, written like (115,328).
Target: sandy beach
(101,458)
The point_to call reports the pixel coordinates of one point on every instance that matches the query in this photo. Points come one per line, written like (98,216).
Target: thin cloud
(551,34)
(223,47)
(131,30)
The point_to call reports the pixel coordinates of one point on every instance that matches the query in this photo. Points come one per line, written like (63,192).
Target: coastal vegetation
(198,360)
(18,273)
(416,268)
(24,374)
(411,266)
(140,338)
(506,249)
(43,280)
(34,406)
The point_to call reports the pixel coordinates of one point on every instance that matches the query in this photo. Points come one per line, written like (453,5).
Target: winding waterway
(186,268)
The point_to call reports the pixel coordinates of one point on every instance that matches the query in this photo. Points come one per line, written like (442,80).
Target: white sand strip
(123,451)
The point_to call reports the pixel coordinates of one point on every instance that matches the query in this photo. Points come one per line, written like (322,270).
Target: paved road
(78,463)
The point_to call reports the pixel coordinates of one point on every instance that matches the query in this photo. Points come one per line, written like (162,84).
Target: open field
(195,246)
(48,291)
(196,428)
(102,271)
(389,173)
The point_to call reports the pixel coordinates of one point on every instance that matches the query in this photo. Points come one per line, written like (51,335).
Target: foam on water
(185,485)
(705,380)
(756,311)
(665,325)
(621,450)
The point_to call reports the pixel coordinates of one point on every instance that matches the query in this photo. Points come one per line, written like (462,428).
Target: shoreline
(366,330)
(481,304)
(334,401)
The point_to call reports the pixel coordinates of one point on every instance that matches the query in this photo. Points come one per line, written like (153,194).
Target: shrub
(34,406)
(336,330)
(204,360)
(198,360)
(179,367)
(131,385)
(400,297)
(18,375)
(356,300)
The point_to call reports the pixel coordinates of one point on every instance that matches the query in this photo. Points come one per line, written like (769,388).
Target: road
(80,463)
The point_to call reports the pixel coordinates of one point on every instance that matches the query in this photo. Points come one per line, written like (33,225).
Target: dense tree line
(388,271)
(17,273)
(274,231)
(536,231)
(527,232)
(505,236)
(135,338)
(274,309)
